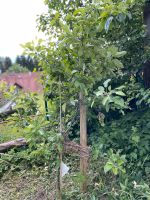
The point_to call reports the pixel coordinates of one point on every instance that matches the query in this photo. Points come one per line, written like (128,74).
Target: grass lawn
(27,185)
(7,132)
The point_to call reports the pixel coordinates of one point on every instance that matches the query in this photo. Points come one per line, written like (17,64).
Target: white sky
(18,24)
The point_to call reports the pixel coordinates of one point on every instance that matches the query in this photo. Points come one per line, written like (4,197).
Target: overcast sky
(18,24)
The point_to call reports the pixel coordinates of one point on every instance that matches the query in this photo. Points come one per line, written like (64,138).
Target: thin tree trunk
(83,140)
(60,178)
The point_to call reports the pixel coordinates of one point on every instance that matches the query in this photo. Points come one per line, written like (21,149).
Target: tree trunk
(83,140)
(11,144)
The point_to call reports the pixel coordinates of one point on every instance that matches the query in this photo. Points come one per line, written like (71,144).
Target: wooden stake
(60,154)
(83,140)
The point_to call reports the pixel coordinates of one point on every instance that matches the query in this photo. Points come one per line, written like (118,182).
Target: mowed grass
(28,185)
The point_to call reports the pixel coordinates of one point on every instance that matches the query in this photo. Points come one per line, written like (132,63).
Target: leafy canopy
(76,51)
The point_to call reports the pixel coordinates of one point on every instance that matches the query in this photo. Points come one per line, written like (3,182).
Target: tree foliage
(81,56)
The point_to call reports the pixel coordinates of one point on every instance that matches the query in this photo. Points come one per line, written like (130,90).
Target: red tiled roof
(29,81)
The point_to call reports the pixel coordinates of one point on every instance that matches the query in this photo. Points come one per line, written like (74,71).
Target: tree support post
(60,153)
(83,140)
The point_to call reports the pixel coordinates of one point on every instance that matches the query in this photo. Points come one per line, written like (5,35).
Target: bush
(129,135)
(16,68)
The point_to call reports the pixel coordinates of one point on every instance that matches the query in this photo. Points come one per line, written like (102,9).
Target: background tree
(16,68)
(5,63)
(1,64)
(28,62)
(21,60)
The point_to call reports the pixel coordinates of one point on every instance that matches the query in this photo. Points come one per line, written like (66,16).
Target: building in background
(29,81)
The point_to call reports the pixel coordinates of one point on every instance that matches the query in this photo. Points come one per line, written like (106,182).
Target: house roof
(29,81)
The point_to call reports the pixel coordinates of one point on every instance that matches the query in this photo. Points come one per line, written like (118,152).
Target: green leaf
(74,71)
(92,103)
(120,93)
(101,88)
(120,162)
(117,63)
(107,107)
(64,27)
(106,83)
(105,100)
(104,14)
(135,138)
(73,102)
(100,92)
(120,87)
(64,107)
(79,11)
(109,88)
(93,198)
(77,84)
(120,54)
(115,170)
(108,167)
(118,101)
